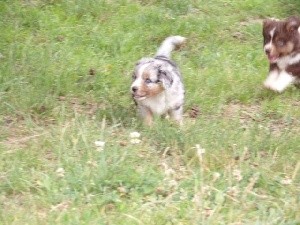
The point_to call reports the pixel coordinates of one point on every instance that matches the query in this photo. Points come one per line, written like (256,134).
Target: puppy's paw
(273,87)
(267,85)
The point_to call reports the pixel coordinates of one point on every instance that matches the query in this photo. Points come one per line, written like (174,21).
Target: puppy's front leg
(271,79)
(281,82)
(147,115)
(176,114)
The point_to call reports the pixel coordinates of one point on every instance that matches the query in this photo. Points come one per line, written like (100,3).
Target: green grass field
(65,73)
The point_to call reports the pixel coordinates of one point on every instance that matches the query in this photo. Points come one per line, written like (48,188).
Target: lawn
(73,150)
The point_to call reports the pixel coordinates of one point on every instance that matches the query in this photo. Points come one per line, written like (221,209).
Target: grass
(64,83)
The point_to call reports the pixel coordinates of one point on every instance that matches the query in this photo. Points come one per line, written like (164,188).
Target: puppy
(157,86)
(282,47)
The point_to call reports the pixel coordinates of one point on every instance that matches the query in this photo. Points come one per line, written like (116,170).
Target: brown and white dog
(282,47)
(157,86)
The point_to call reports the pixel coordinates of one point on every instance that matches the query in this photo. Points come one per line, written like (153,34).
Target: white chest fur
(157,104)
(165,101)
(284,62)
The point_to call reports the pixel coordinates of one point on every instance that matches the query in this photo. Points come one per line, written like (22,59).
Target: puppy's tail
(170,44)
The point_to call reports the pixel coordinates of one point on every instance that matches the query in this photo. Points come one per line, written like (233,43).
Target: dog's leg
(283,80)
(147,115)
(271,79)
(176,114)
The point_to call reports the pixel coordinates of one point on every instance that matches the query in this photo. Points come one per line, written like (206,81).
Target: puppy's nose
(134,88)
(267,51)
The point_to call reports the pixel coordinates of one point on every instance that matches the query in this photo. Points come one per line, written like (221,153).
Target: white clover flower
(60,172)
(135,141)
(135,134)
(100,144)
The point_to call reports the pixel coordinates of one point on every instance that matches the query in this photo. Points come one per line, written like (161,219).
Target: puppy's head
(281,37)
(150,78)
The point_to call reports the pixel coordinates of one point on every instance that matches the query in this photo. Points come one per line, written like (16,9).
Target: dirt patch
(14,130)
(81,107)
(249,114)
(251,21)
(239,35)
(16,136)
(246,113)
(15,133)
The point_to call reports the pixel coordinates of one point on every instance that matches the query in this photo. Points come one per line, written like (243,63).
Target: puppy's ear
(292,24)
(141,61)
(133,76)
(165,77)
(267,22)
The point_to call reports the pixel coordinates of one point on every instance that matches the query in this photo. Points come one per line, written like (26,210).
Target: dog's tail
(170,44)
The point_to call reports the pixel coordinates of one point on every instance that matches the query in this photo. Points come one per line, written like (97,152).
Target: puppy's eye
(148,81)
(267,37)
(133,76)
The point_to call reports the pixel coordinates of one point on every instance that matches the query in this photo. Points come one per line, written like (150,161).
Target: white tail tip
(170,44)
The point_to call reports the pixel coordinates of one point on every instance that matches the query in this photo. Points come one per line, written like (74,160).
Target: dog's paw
(273,87)
(267,85)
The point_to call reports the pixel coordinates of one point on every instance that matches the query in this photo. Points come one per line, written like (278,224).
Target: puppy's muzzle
(134,89)
(136,95)
(267,51)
